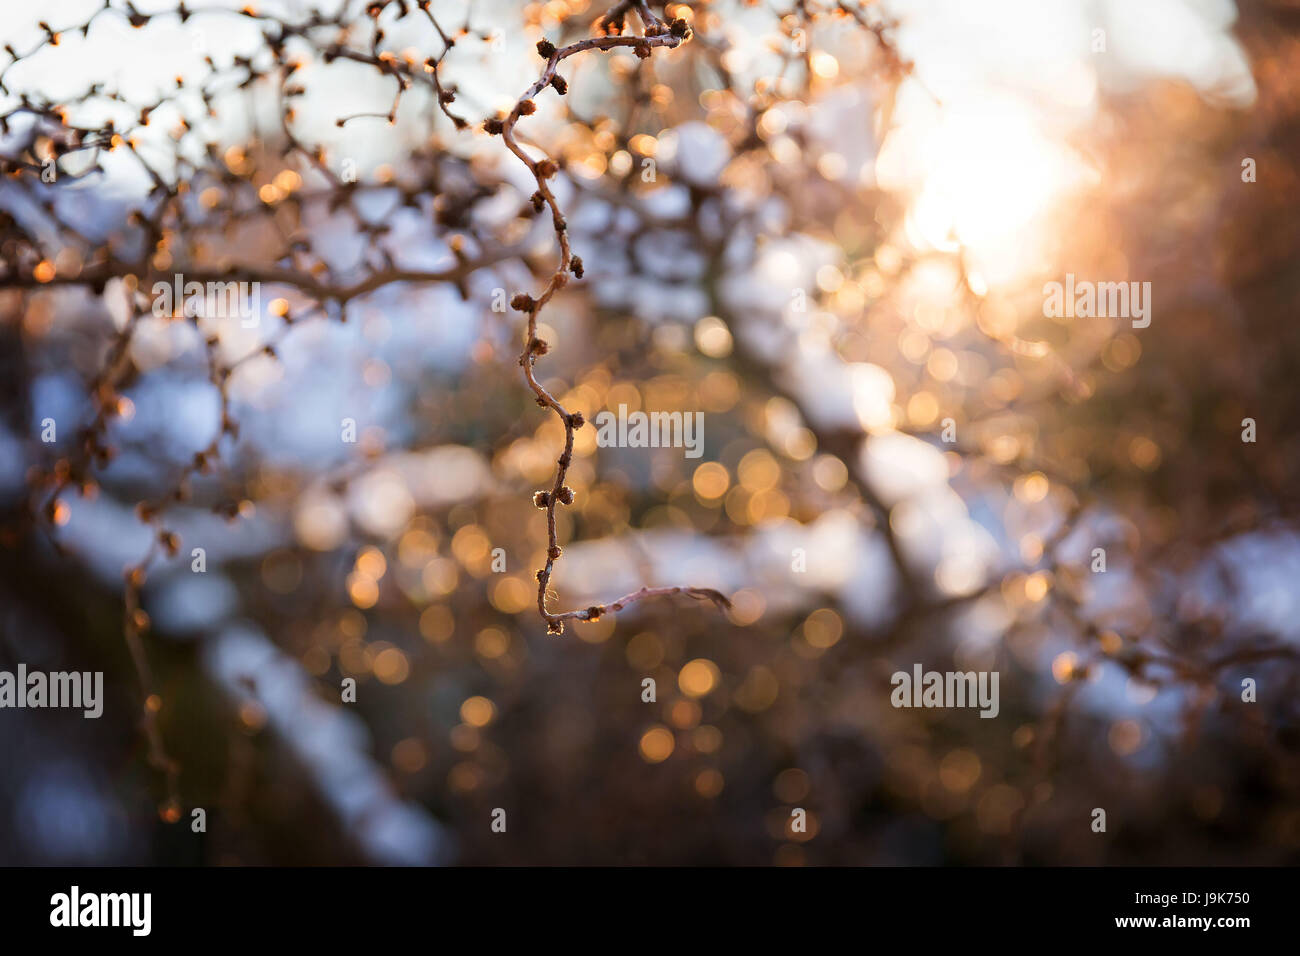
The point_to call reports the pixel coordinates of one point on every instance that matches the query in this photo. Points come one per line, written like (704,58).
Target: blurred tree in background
(826,227)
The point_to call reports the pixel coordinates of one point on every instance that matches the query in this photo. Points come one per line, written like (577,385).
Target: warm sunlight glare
(986,180)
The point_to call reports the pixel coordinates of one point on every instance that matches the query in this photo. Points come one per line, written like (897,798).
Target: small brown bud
(541,499)
(493,126)
(554,552)
(576,420)
(679,28)
(545,49)
(575,266)
(565,495)
(527,108)
(522,302)
(560,84)
(593,613)
(539,346)
(546,169)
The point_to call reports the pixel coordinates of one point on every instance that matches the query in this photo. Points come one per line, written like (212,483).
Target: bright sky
(1017,80)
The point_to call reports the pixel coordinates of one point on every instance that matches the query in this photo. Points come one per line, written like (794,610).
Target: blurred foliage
(748,254)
